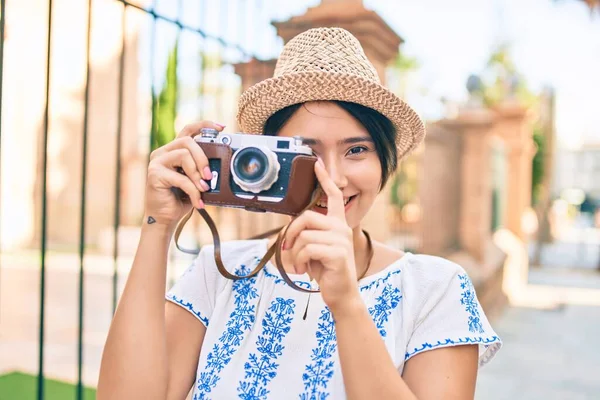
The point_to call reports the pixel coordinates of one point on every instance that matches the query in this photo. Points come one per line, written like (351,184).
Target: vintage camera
(258,173)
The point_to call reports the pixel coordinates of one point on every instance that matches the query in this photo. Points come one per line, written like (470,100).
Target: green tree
(503,81)
(537,173)
(404,182)
(164,110)
(404,65)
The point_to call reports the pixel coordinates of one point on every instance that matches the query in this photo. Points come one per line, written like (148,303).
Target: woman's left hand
(322,245)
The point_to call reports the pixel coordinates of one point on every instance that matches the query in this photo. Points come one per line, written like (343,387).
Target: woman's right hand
(183,152)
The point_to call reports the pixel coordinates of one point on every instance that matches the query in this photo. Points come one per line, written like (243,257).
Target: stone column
(254,71)
(475,128)
(514,128)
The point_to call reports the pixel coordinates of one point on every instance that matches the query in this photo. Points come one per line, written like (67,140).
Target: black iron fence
(239,34)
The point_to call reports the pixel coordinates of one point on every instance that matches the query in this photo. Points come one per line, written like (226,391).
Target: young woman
(385,325)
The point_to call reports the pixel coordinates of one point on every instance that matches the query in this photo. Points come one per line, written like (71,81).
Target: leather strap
(217,242)
(275,248)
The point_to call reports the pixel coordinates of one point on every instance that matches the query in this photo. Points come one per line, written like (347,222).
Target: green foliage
(404,189)
(502,80)
(537,174)
(405,63)
(164,111)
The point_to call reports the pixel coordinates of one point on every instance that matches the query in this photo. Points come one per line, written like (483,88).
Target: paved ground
(547,354)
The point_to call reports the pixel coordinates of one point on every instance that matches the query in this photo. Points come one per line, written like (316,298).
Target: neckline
(362,284)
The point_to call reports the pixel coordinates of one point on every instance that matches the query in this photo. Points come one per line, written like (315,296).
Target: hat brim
(265,98)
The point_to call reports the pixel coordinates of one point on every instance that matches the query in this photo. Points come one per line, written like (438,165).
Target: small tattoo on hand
(151,220)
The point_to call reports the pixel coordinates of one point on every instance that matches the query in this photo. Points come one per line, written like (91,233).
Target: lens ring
(255,168)
(250,164)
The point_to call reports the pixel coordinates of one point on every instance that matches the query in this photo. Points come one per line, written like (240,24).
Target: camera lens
(250,164)
(255,169)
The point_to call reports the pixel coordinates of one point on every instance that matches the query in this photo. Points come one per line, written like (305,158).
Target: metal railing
(245,23)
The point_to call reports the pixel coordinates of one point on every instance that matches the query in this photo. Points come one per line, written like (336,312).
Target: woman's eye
(357,150)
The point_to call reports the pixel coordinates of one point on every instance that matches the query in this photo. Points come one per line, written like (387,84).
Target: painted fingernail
(204,185)
(207,173)
(220,125)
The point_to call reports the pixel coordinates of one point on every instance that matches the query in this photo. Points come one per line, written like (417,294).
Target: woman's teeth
(323,203)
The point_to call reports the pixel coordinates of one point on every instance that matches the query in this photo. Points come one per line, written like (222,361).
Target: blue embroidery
(280,280)
(386,302)
(261,369)
(447,342)
(318,373)
(377,282)
(189,306)
(240,321)
(380,281)
(470,302)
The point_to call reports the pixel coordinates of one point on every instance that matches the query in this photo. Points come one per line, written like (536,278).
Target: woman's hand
(322,245)
(183,152)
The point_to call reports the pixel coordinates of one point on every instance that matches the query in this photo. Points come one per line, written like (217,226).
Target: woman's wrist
(158,229)
(351,307)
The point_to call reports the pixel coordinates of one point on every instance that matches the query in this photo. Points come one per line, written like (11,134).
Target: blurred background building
(506,178)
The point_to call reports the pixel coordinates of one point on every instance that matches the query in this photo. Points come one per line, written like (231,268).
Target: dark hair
(380,128)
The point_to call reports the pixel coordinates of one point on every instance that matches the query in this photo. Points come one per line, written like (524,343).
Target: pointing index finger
(335,199)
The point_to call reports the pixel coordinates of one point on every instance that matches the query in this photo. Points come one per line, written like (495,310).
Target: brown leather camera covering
(302,183)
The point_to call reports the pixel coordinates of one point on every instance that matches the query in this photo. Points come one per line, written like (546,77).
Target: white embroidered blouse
(258,345)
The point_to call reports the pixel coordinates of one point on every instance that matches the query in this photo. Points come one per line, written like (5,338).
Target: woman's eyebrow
(350,140)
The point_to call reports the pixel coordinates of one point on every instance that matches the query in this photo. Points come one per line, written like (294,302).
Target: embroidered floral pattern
(262,368)
(318,373)
(386,303)
(279,280)
(380,281)
(240,321)
(450,342)
(469,300)
(189,306)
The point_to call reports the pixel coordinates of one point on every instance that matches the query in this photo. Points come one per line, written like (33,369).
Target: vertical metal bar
(154,120)
(224,27)
(40,380)
(117,219)
(170,270)
(246,32)
(203,55)
(79,389)
(2,22)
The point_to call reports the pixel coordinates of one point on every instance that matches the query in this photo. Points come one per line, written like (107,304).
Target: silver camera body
(260,165)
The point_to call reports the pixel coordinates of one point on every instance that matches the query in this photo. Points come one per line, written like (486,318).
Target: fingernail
(320,161)
(220,125)
(200,204)
(207,173)
(204,185)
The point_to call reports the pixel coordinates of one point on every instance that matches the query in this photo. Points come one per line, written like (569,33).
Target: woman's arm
(152,349)
(369,372)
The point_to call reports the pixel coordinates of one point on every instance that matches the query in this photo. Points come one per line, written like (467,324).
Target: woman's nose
(336,173)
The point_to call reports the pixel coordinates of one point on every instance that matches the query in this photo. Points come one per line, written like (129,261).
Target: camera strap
(275,248)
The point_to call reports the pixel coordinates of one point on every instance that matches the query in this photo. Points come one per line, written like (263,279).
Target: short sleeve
(447,311)
(197,287)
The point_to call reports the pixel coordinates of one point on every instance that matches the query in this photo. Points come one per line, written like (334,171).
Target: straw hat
(327,64)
